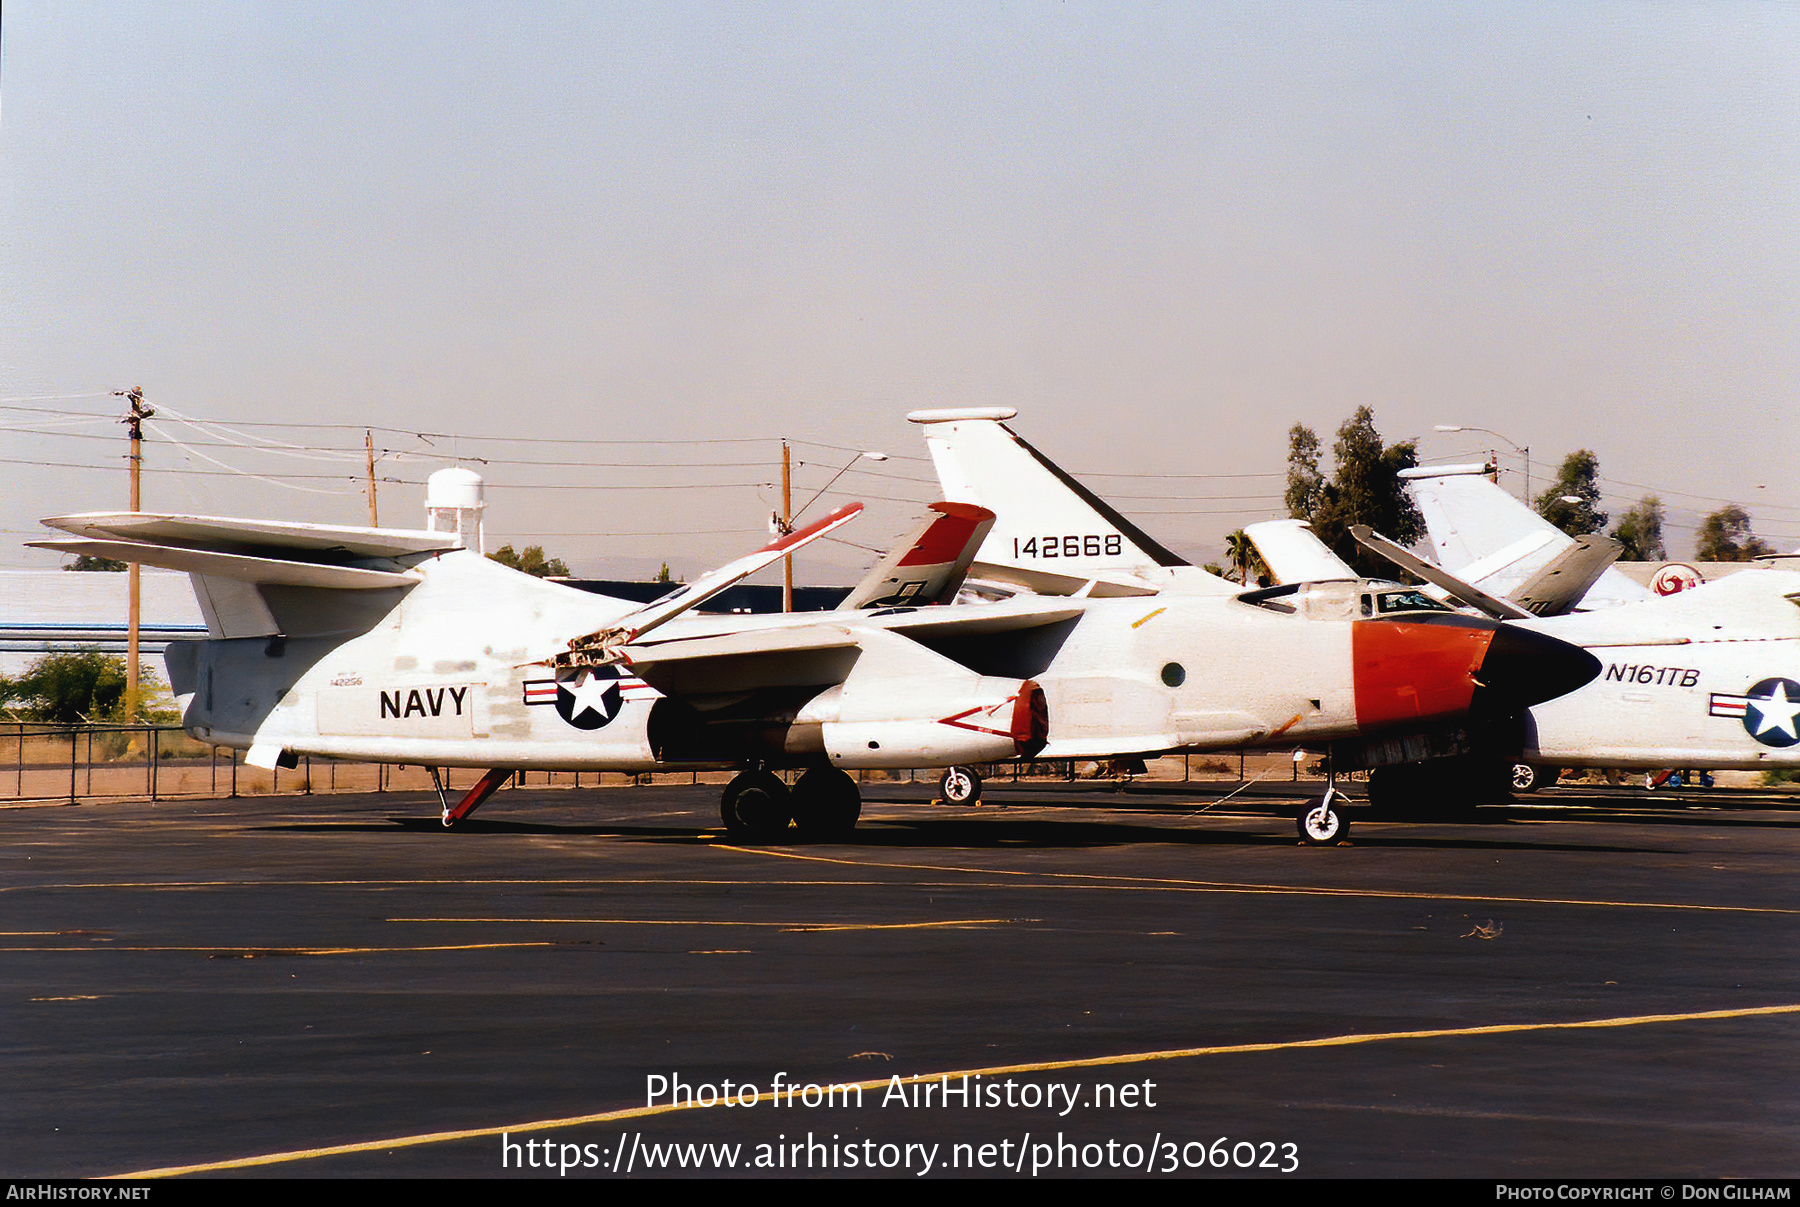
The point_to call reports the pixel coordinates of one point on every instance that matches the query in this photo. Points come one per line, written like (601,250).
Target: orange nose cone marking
(1414,672)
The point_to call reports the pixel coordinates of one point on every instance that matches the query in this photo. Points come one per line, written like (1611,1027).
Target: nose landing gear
(960,786)
(1322,822)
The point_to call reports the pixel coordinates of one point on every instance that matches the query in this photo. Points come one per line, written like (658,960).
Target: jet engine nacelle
(937,720)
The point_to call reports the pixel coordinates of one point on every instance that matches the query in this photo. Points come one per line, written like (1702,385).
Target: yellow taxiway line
(1330,1041)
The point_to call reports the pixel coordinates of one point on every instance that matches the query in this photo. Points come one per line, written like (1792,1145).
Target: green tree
(1305,485)
(1578,479)
(1640,531)
(1725,536)
(532,561)
(85,685)
(1245,561)
(88,561)
(1365,489)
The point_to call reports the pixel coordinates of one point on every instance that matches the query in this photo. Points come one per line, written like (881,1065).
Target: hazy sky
(1164,232)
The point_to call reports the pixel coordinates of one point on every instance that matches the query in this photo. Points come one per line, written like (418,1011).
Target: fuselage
(1702,679)
(455,673)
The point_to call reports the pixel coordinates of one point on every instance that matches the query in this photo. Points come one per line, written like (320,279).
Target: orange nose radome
(1440,669)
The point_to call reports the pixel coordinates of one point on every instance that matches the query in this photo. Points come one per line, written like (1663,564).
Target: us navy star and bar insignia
(587,697)
(1770,711)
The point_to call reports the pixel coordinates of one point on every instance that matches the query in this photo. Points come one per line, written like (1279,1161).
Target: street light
(1522,449)
(866,456)
(784,524)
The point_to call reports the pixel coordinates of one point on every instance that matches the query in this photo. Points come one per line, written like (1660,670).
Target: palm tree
(1241,552)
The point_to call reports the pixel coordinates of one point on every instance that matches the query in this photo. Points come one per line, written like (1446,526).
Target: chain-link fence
(41,762)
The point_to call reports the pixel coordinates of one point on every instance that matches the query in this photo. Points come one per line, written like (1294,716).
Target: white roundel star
(590,699)
(1776,712)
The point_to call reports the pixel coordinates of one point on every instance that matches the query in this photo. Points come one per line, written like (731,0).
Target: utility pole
(787,526)
(369,442)
(134,425)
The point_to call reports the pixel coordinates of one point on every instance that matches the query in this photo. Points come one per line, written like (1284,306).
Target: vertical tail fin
(1490,539)
(1048,528)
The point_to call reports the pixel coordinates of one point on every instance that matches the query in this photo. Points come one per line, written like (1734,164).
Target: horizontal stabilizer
(1044,582)
(1459,590)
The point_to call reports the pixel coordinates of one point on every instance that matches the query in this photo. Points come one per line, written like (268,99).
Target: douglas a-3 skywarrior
(1708,678)
(409,647)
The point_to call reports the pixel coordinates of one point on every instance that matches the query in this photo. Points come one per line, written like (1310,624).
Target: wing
(268,538)
(602,645)
(1497,544)
(1294,554)
(1462,592)
(929,566)
(238,566)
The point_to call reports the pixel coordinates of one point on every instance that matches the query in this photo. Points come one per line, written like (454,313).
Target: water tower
(454,503)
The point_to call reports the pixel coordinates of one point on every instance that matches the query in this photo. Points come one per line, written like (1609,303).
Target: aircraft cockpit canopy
(1399,601)
(1343,600)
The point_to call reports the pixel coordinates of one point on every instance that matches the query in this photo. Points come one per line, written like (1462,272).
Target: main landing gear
(823,804)
(1528,777)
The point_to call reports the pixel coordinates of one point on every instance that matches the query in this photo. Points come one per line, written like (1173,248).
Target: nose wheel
(1322,822)
(960,786)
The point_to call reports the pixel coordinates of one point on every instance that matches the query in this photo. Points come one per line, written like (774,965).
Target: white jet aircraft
(1051,535)
(1707,678)
(402,646)
(1677,669)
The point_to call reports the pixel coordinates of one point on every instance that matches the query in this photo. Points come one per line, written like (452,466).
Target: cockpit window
(1388,603)
(1272,598)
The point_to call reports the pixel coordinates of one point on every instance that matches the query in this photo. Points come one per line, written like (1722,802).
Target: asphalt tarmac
(1147,983)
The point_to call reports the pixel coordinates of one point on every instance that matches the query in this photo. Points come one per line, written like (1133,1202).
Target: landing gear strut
(484,788)
(960,786)
(1322,822)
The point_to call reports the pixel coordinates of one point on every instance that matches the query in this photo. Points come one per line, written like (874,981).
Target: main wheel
(755,807)
(1322,823)
(1529,778)
(826,804)
(960,786)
